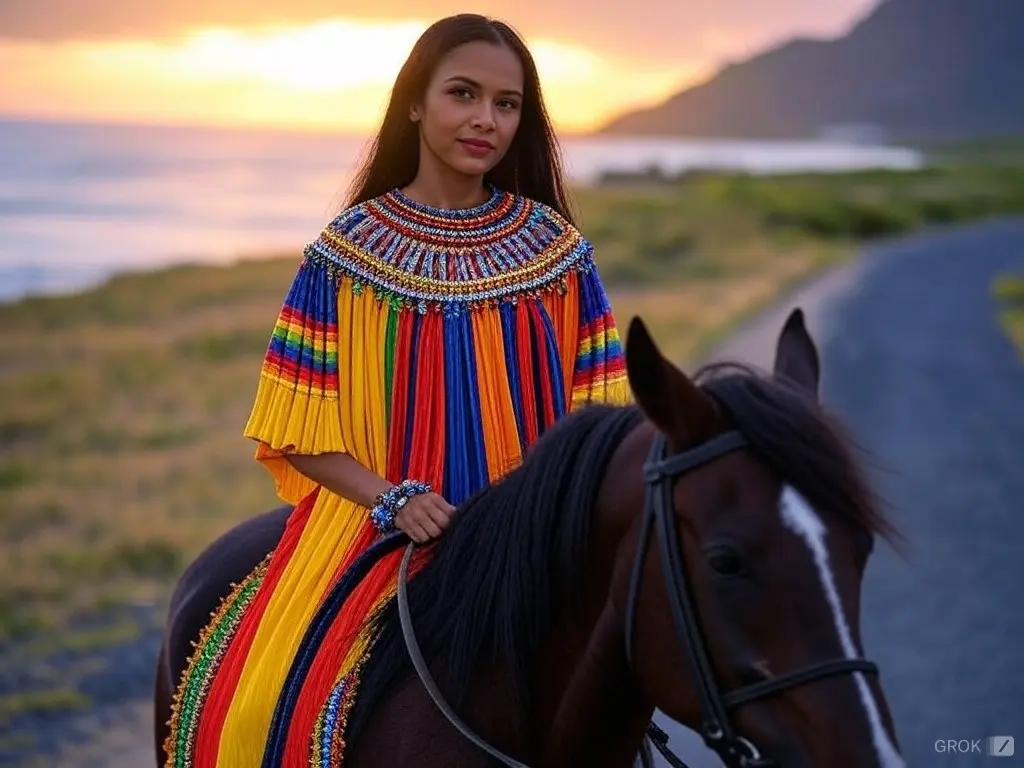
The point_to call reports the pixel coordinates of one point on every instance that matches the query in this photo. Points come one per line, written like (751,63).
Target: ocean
(80,202)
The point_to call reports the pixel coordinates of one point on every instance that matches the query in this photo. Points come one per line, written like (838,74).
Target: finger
(439,515)
(432,529)
(442,504)
(416,533)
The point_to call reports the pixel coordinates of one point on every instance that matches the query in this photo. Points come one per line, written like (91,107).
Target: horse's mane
(800,440)
(491,588)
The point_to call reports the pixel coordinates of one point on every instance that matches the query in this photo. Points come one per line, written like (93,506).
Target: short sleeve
(296,406)
(599,371)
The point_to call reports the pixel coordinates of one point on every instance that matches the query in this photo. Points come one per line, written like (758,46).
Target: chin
(471,167)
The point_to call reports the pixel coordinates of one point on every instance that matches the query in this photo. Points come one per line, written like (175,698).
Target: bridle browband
(660,473)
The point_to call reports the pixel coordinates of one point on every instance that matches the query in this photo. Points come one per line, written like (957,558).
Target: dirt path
(916,365)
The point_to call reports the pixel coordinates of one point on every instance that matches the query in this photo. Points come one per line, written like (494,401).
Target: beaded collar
(419,255)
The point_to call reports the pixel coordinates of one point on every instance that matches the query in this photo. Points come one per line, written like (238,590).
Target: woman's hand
(424,517)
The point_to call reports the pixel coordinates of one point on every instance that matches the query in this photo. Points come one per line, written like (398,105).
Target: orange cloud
(650,30)
(296,63)
(333,74)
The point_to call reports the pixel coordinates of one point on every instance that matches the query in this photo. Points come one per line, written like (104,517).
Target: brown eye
(725,561)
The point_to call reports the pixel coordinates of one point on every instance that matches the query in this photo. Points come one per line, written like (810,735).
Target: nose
(483,118)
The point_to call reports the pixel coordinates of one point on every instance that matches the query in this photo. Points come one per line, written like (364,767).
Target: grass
(39,701)
(121,408)
(1008,290)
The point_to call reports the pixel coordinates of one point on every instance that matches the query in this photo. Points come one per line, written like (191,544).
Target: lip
(477,147)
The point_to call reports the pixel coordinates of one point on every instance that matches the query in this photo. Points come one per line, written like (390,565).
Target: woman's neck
(448,190)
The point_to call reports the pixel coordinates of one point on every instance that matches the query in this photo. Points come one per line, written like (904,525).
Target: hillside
(915,69)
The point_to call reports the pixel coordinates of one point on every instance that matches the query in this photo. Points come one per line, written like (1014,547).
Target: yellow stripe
(324,542)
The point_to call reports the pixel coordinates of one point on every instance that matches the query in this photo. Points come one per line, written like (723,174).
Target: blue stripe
(465,466)
(313,295)
(554,362)
(538,378)
(593,300)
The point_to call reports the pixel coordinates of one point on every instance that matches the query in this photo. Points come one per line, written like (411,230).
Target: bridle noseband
(660,473)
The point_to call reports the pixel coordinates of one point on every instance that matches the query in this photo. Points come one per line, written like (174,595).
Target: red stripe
(545,387)
(293,316)
(399,397)
(289,370)
(426,457)
(524,362)
(222,688)
(426,451)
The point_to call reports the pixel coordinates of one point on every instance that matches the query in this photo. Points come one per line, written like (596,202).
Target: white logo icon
(1000,746)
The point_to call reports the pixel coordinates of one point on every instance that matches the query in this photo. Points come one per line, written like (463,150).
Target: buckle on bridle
(654,471)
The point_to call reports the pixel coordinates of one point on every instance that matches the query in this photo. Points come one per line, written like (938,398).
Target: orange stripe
(564,311)
(501,437)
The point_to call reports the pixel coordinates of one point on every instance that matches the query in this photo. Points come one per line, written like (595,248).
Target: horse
(554,630)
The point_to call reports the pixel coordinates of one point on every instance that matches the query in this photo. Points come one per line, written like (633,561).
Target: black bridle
(660,474)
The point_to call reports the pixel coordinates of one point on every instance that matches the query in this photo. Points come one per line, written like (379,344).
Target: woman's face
(471,108)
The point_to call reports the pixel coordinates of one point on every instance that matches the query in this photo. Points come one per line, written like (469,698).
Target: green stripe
(390,337)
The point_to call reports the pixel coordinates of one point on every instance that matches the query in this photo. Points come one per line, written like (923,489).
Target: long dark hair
(532,167)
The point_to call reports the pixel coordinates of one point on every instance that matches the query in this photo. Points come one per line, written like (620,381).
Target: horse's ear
(664,393)
(796,356)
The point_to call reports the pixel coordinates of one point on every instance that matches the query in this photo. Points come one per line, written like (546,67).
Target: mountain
(911,69)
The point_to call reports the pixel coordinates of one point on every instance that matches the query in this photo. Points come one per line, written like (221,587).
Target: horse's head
(774,532)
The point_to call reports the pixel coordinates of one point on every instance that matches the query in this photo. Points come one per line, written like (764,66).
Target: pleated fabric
(428,344)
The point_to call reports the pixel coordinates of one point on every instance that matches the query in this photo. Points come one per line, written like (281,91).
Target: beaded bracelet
(388,503)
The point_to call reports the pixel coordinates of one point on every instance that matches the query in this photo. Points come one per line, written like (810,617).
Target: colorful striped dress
(428,344)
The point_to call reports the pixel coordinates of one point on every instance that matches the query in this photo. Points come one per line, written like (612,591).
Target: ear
(796,357)
(664,393)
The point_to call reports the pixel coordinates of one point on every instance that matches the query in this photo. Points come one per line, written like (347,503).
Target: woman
(446,318)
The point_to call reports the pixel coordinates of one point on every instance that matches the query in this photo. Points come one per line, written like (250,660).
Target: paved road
(915,364)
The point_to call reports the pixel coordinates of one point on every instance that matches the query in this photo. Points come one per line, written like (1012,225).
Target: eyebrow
(471,82)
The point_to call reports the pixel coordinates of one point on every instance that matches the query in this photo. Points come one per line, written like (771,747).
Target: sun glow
(333,74)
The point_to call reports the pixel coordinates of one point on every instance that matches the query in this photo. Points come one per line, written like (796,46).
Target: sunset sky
(328,64)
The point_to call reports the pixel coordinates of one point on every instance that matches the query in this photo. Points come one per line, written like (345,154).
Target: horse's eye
(725,561)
